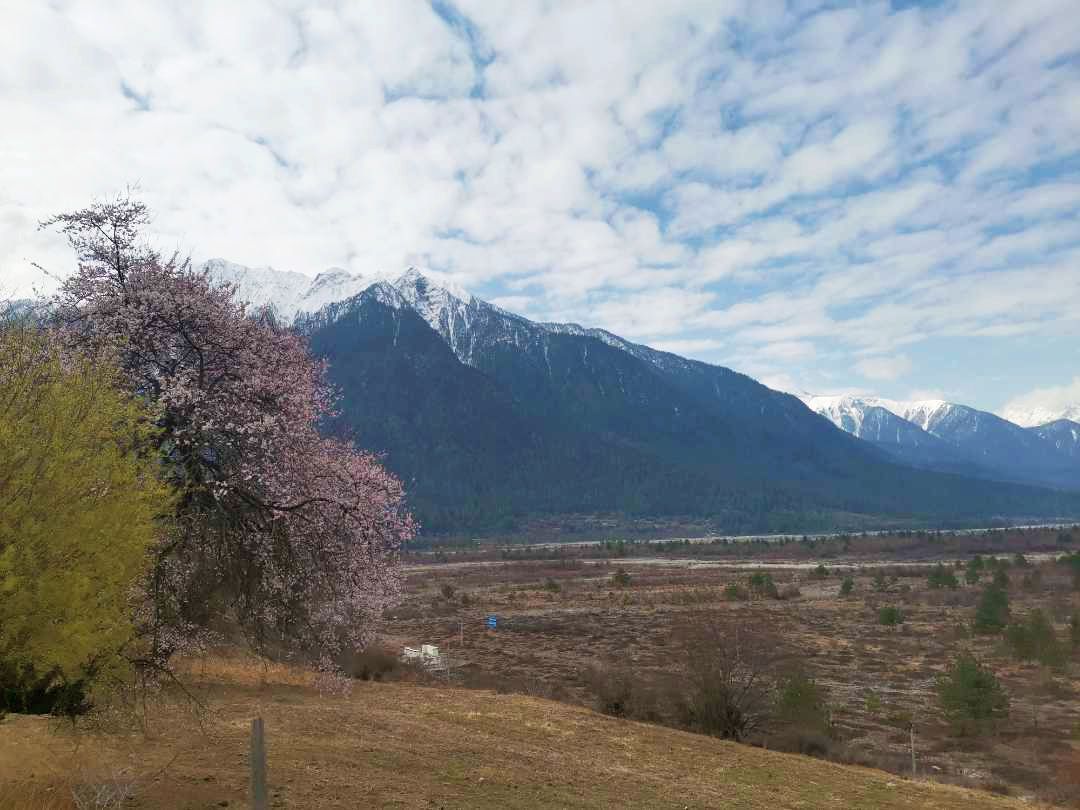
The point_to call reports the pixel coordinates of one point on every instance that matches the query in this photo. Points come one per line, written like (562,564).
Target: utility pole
(259,798)
(913,748)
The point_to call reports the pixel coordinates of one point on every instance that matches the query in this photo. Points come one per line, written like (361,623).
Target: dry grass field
(410,746)
(560,617)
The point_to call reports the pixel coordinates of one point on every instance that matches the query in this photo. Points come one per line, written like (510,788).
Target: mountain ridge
(489,416)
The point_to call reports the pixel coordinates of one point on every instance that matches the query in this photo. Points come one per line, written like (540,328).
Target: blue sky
(870,197)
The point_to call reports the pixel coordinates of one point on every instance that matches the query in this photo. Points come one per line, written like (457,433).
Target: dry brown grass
(399,745)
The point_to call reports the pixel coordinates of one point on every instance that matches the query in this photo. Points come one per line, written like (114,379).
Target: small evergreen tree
(992,612)
(847,587)
(972,699)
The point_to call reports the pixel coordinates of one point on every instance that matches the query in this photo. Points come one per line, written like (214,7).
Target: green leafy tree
(972,699)
(79,509)
(992,612)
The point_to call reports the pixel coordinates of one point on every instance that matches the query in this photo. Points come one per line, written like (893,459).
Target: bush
(619,692)
(942,577)
(992,612)
(821,572)
(727,690)
(373,663)
(761,585)
(1034,639)
(790,592)
(551,586)
(734,592)
(1001,578)
(79,509)
(1074,630)
(847,587)
(620,579)
(974,570)
(447,590)
(801,704)
(890,616)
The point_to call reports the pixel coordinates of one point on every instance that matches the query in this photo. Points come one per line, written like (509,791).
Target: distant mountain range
(941,435)
(490,418)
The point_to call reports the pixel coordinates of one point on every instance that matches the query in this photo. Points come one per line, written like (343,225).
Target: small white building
(427,655)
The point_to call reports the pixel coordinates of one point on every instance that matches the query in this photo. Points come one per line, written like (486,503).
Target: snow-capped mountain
(1034,417)
(1064,434)
(530,357)
(982,440)
(287,293)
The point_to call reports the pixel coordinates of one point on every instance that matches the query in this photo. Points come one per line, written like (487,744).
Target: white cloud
(1045,404)
(884,368)
(834,184)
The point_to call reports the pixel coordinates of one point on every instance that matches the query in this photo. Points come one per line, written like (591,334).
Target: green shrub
(847,587)
(972,700)
(890,616)
(620,579)
(1034,639)
(821,572)
(974,570)
(801,704)
(552,586)
(761,585)
(734,592)
(992,612)
(942,577)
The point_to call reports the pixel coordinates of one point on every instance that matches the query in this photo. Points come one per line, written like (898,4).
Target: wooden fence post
(259,799)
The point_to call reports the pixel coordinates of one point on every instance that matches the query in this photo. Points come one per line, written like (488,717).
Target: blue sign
(492,622)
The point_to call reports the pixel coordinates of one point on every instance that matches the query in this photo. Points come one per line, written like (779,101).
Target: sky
(871,197)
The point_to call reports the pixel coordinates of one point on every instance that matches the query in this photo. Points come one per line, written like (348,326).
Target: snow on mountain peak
(1041,415)
(289,294)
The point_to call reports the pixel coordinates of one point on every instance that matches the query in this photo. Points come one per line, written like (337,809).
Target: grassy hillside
(399,745)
